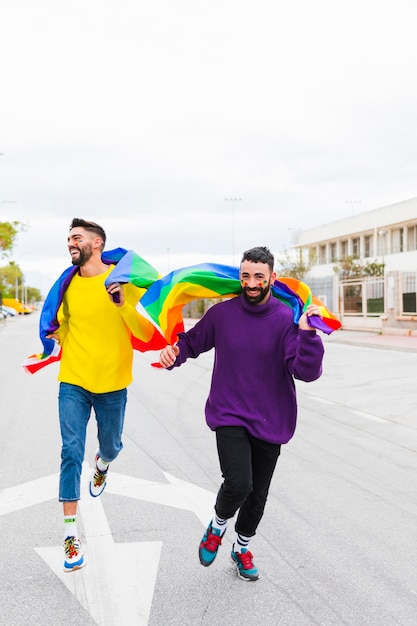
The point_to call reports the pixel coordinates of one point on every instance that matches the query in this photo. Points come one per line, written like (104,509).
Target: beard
(258,297)
(84,255)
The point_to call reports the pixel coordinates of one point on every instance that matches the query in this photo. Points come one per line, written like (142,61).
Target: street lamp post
(383,234)
(233,202)
(353,203)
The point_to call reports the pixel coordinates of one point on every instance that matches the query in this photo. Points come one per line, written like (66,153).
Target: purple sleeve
(305,356)
(200,338)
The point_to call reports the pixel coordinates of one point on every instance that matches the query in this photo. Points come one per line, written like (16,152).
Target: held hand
(312,309)
(53,336)
(116,293)
(168,356)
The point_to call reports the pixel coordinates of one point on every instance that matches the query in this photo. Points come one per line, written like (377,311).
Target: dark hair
(260,254)
(91,226)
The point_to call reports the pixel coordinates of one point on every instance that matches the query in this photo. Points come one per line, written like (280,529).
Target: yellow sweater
(95,334)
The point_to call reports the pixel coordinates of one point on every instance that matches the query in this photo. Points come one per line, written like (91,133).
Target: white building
(386,236)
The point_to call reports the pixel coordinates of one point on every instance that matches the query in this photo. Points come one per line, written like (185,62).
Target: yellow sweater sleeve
(138,325)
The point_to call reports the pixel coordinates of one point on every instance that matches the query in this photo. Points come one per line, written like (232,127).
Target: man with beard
(95,328)
(251,406)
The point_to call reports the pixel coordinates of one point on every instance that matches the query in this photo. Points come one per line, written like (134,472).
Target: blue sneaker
(74,555)
(209,545)
(244,564)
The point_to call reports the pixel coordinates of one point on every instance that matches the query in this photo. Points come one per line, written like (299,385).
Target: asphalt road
(336,546)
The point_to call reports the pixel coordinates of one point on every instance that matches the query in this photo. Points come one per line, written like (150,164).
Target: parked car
(8,311)
(17,305)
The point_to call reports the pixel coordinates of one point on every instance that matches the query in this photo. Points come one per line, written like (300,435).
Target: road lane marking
(369,416)
(117,585)
(29,494)
(175,493)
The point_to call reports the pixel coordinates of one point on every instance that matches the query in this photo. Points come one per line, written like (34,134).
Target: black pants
(247,466)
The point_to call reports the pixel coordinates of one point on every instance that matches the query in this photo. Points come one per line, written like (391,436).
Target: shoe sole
(240,575)
(68,570)
(205,563)
(96,495)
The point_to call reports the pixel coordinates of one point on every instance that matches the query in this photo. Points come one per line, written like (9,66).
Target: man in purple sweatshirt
(252,405)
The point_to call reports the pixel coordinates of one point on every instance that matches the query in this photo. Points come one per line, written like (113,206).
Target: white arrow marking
(117,585)
(31,493)
(176,493)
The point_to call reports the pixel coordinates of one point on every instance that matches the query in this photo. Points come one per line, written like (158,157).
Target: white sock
(218,523)
(102,465)
(70,526)
(241,542)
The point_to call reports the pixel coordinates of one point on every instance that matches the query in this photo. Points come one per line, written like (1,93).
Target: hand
(53,336)
(312,309)
(116,294)
(168,356)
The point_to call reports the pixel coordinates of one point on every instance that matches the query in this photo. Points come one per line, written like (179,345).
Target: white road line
(369,416)
(322,400)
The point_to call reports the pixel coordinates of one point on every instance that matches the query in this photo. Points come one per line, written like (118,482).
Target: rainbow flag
(163,301)
(164,297)
(133,263)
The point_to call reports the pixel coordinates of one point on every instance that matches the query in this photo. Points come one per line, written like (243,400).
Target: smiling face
(81,244)
(256,280)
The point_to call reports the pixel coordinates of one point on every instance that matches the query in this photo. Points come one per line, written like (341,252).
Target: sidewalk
(404,343)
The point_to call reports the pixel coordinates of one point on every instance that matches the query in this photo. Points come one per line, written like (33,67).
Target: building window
(356,249)
(368,245)
(412,238)
(322,256)
(343,249)
(408,293)
(352,299)
(312,256)
(375,304)
(363,297)
(397,242)
(333,252)
(382,242)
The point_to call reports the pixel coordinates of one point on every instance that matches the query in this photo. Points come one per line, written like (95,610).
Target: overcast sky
(146,115)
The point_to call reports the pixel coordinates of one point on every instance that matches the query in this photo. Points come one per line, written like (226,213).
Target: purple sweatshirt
(258,353)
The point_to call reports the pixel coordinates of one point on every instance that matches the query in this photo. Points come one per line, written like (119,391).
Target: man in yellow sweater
(95,329)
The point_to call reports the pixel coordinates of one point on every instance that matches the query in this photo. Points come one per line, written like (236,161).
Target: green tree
(10,276)
(8,232)
(33,295)
(294,266)
(374,269)
(351,267)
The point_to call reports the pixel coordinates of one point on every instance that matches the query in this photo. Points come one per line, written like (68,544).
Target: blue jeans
(75,404)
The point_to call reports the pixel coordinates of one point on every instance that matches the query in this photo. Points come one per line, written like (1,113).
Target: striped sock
(218,523)
(242,542)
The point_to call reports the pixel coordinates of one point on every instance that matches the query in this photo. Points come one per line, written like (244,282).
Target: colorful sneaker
(97,480)
(209,545)
(244,564)
(74,555)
